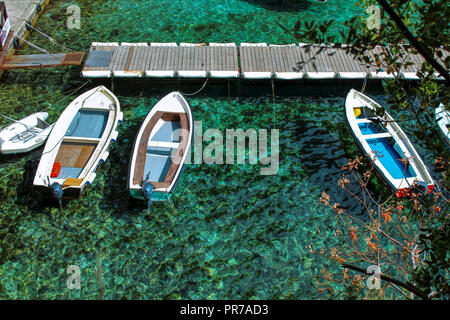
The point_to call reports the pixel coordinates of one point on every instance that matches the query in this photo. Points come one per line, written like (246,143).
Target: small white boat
(160,149)
(78,143)
(443,121)
(26,134)
(396,160)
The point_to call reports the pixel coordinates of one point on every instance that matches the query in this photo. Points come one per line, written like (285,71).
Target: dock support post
(112,83)
(228,90)
(274,102)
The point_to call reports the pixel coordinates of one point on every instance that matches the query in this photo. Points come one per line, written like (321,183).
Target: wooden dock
(16,19)
(22,12)
(248,61)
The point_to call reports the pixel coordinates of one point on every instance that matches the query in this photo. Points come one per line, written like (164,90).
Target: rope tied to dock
(71,93)
(40,32)
(198,91)
(363,88)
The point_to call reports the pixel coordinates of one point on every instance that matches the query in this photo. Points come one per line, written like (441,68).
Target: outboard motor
(57,192)
(147,189)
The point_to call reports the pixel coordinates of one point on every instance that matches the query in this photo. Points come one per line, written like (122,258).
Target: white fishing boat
(79,143)
(384,142)
(26,134)
(160,149)
(443,121)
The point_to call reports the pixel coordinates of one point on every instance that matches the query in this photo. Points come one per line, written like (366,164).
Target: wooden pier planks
(251,61)
(41,60)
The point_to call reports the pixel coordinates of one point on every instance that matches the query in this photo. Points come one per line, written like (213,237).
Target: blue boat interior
(168,132)
(159,159)
(371,128)
(157,163)
(387,150)
(69,172)
(389,157)
(88,124)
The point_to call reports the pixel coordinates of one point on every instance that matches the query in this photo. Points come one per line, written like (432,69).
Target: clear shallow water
(229,232)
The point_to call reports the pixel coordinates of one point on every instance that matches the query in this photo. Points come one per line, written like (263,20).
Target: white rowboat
(160,149)
(78,143)
(385,143)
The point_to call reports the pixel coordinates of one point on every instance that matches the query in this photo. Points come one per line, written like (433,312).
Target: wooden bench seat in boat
(365,120)
(377,135)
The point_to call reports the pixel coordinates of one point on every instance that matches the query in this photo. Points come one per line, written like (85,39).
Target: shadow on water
(322,156)
(117,199)
(219,88)
(282,5)
(27,194)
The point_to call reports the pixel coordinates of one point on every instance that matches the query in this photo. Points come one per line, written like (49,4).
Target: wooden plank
(275,59)
(341,64)
(115,58)
(41,60)
(298,58)
(225,56)
(75,154)
(213,65)
(346,64)
(218,58)
(155,51)
(254,59)
(221,58)
(204,58)
(268,62)
(233,59)
(128,58)
(138,59)
(248,58)
(309,59)
(287,58)
(166,59)
(243,58)
(326,64)
(147,59)
(163,62)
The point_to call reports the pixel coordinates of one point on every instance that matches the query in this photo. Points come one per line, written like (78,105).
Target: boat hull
(79,142)
(161,147)
(386,146)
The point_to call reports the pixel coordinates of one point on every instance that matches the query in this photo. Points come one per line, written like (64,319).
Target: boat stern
(156,195)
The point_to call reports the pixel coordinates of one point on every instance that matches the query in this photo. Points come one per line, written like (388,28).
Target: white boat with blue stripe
(387,146)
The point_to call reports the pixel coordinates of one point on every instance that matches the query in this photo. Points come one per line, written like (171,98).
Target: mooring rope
(198,91)
(31,44)
(363,88)
(72,92)
(40,32)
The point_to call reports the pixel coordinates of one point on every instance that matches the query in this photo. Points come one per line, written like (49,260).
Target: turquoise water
(228,232)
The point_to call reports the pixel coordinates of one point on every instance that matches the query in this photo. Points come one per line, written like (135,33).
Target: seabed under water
(228,232)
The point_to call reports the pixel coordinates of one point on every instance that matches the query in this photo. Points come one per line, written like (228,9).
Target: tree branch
(406,285)
(413,40)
